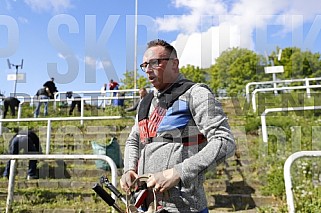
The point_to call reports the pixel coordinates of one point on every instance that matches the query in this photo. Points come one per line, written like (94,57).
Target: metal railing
(98,92)
(13,159)
(96,95)
(57,98)
(263,116)
(82,102)
(306,80)
(49,120)
(288,178)
(279,89)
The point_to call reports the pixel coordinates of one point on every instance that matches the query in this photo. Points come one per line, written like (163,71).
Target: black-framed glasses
(153,63)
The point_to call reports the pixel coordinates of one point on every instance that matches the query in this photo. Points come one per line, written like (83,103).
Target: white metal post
(264,129)
(11,186)
(82,103)
(274,84)
(19,110)
(288,178)
(253,100)
(13,158)
(48,137)
(307,84)
(15,82)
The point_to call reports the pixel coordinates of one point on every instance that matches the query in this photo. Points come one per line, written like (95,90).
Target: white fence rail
(288,178)
(279,89)
(13,159)
(307,82)
(49,120)
(263,116)
(82,102)
(95,95)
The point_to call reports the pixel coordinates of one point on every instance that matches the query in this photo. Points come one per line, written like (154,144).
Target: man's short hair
(168,47)
(69,94)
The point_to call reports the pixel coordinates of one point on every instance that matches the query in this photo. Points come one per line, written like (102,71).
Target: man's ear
(176,65)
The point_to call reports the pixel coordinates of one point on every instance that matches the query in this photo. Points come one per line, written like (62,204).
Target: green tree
(234,68)
(299,64)
(128,80)
(194,73)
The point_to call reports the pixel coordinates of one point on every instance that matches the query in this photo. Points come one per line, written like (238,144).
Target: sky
(84,44)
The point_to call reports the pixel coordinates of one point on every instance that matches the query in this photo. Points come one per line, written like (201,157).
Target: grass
(42,199)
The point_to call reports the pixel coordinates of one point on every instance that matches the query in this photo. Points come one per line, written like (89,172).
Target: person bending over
(12,103)
(29,142)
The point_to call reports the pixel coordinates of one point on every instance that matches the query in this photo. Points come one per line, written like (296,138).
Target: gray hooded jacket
(196,112)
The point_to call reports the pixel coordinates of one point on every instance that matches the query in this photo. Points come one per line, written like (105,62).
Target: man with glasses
(180,131)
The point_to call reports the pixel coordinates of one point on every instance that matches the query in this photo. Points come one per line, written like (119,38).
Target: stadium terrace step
(239,202)
(53,184)
(95,204)
(63,210)
(62,173)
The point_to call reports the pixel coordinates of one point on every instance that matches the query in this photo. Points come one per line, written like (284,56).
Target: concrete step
(53,184)
(86,201)
(60,173)
(69,163)
(100,209)
(61,170)
(217,201)
(75,134)
(239,202)
(65,210)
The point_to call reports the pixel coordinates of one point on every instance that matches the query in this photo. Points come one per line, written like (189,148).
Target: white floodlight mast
(17,69)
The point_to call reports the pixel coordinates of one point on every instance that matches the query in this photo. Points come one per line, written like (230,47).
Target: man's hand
(163,181)
(127,179)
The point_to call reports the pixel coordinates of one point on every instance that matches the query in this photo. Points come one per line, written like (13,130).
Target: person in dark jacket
(52,88)
(76,101)
(29,142)
(11,102)
(42,94)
